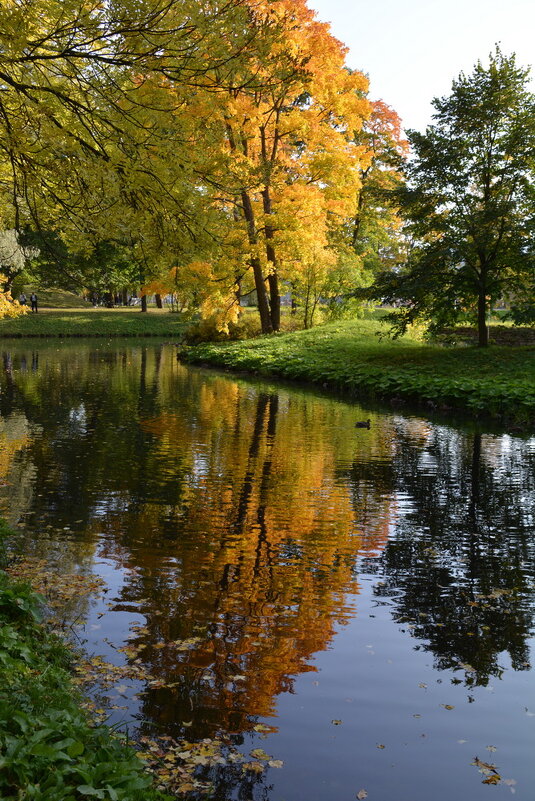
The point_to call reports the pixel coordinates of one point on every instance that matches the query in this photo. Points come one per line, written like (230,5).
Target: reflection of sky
(78,418)
(104,631)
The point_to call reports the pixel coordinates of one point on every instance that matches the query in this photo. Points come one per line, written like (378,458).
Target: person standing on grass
(33,301)
(22,299)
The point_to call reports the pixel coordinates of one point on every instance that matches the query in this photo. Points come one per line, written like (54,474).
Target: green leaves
(498,385)
(49,750)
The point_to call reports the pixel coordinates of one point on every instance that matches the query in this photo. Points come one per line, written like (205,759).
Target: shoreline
(350,357)
(507,400)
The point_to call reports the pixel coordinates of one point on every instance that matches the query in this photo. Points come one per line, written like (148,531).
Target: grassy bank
(92,322)
(498,381)
(48,749)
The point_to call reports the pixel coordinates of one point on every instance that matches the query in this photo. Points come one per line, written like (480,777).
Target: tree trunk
(274,300)
(124,297)
(273,280)
(482,327)
(143,303)
(159,304)
(263,305)
(248,213)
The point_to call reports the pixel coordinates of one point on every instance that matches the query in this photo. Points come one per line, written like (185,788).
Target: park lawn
(55,298)
(355,356)
(121,321)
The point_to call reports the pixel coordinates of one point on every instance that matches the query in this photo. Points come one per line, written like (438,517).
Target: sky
(412,50)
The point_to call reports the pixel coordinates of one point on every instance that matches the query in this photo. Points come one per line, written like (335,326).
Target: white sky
(413,49)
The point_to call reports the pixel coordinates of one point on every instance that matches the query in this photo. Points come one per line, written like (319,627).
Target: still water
(364,597)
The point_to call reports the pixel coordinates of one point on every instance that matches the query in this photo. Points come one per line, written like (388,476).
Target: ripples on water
(368,595)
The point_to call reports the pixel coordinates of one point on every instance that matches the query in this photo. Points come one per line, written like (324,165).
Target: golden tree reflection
(223,504)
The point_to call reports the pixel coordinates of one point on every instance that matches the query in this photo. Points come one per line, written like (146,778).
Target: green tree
(469,202)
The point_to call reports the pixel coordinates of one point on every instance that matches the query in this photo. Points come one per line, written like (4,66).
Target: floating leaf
(362,794)
(259,753)
(494,779)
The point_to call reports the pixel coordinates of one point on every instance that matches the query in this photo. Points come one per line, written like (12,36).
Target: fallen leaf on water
(275,763)
(495,778)
(491,748)
(467,667)
(336,722)
(422,685)
(380,745)
(256,767)
(362,794)
(259,753)
(447,706)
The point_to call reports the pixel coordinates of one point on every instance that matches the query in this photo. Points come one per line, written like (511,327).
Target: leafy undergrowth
(90,322)
(54,743)
(50,749)
(498,381)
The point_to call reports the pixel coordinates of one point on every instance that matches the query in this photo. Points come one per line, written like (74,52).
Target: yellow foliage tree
(8,306)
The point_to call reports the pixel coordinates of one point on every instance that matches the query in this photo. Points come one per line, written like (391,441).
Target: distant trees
(469,203)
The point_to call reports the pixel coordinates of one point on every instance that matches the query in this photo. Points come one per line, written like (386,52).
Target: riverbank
(94,322)
(51,751)
(496,382)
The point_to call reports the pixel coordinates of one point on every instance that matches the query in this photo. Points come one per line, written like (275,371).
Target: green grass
(56,298)
(498,381)
(48,749)
(119,322)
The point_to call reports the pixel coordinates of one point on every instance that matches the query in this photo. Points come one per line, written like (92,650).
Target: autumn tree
(290,163)
(81,151)
(469,203)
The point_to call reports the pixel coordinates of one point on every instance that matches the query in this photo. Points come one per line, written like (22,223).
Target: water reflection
(244,520)
(461,566)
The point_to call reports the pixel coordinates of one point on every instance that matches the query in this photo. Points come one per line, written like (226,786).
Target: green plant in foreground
(48,749)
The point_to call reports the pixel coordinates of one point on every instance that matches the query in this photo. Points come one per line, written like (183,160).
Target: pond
(357,603)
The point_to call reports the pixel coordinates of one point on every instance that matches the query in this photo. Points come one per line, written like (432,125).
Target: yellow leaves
(488,770)
(10,307)
(259,753)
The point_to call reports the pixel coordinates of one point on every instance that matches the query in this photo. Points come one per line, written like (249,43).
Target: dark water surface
(368,595)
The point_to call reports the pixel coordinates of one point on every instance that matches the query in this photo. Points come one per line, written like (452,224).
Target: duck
(362,424)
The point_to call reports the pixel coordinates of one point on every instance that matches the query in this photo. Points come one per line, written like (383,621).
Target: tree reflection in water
(461,565)
(241,519)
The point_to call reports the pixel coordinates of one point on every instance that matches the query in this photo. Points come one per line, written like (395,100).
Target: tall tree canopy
(470,202)
(217,133)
